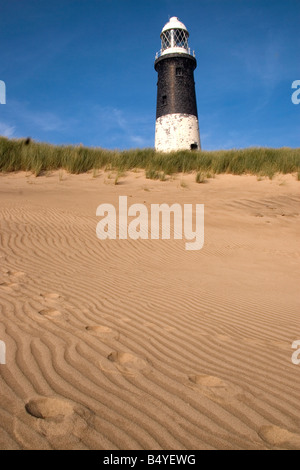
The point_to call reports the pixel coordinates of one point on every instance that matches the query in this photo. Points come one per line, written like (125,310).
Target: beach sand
(141,344)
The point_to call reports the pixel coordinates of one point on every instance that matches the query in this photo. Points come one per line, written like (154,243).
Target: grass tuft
(200,178)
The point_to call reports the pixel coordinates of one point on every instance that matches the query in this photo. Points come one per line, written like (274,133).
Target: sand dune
(124,344)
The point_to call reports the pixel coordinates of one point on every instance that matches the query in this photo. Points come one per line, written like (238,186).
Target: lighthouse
(177,126)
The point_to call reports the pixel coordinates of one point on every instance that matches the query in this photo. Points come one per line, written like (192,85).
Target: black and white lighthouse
(177,124)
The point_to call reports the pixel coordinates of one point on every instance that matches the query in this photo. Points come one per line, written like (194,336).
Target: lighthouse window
(166,40)
(164,100)
(179,72)
(180,38)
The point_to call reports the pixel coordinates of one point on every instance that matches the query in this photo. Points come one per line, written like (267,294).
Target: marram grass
(27,155)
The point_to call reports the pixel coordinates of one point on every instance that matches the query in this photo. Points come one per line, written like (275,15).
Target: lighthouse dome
(174,38)
(174,23)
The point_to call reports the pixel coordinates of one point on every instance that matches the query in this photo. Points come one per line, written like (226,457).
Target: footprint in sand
(50,312)
(49,408)
(280,437)
(52,305)
(128,362)
(57,422)
(208,381)
(102,331)
(12,278)
(16,273)
(218,389)
(52,296)
(8,284)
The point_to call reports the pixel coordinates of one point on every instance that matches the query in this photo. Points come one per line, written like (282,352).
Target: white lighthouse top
(174,23)
(174,38)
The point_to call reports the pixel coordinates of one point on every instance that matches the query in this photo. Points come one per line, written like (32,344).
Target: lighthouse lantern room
(177,124)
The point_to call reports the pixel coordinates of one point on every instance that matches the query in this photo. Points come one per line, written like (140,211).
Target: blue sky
(81,71)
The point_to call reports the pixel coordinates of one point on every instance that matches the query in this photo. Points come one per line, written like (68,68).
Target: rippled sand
(124,344)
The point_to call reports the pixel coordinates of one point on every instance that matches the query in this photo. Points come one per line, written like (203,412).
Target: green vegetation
(155,175)
(200,178)
(27,155)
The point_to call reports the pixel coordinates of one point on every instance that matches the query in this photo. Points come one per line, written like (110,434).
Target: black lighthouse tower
(177,124)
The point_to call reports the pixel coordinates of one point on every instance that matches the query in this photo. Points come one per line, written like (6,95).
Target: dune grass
(27,155)
(200,177)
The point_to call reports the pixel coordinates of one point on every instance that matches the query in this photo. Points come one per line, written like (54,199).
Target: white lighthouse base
(177,132)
